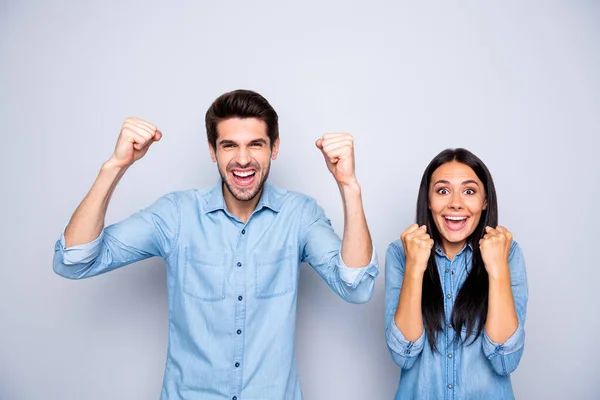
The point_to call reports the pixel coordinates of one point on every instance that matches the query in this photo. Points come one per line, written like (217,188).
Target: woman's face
(456,199)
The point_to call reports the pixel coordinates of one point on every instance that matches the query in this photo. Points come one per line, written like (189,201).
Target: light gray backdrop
(517,83)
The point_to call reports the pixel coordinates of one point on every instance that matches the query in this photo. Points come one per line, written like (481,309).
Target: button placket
(240,308)
(449,334)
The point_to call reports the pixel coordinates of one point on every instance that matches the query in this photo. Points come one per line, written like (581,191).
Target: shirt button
(237,365)
(449,387)
(240,298)
(239,264)
(239,331)
(447,270)
(243,231)
(234,398)
(448,295)
(450,326)
(449,355)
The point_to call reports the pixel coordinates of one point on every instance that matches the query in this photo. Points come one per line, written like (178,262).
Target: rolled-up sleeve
(81,254)
(321,248)
(403,352)
(353,276)
(150,232)
(505,357)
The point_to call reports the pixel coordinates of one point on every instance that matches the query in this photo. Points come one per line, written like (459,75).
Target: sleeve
(403,352)
(321,248)
(150,232)
(505,357)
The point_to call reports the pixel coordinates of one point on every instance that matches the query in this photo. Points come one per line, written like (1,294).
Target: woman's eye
(469,191)
(443,191)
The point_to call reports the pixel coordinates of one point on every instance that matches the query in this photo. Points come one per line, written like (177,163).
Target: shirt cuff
(353,276)
(79,254)
(512,344)
(400,345)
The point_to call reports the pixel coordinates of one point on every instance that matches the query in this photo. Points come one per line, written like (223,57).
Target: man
(232,251)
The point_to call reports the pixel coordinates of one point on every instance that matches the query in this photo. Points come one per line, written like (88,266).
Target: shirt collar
(440,251)
(271,198)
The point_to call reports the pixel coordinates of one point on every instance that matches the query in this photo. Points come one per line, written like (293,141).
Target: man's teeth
(456,218)
(243,174)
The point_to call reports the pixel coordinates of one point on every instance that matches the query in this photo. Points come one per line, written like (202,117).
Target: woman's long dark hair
(471,304)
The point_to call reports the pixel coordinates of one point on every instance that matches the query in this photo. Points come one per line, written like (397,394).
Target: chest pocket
(204,274)
(274,272)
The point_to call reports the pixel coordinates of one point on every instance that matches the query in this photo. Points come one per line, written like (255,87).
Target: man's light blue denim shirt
(232,286)
(461,372)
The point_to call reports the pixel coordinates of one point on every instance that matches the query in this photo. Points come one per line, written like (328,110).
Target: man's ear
(275,149)
(212,151)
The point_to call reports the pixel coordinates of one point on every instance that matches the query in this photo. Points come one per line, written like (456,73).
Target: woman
(456,289)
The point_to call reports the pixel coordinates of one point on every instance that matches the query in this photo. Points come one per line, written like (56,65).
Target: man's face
(243,155)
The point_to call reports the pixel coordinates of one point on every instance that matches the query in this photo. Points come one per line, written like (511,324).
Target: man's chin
(246,194)
(244,197)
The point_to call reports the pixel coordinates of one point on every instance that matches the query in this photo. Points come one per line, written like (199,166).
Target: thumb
(319,144)
(157,136)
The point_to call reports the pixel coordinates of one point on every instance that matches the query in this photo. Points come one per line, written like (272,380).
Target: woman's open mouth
(455,222)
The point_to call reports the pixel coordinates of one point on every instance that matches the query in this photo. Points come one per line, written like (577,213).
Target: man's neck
(239,208)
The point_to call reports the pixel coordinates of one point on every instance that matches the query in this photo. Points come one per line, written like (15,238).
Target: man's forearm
(357,247)
(88,219)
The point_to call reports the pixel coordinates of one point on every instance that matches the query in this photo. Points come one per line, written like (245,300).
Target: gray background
(517,83)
